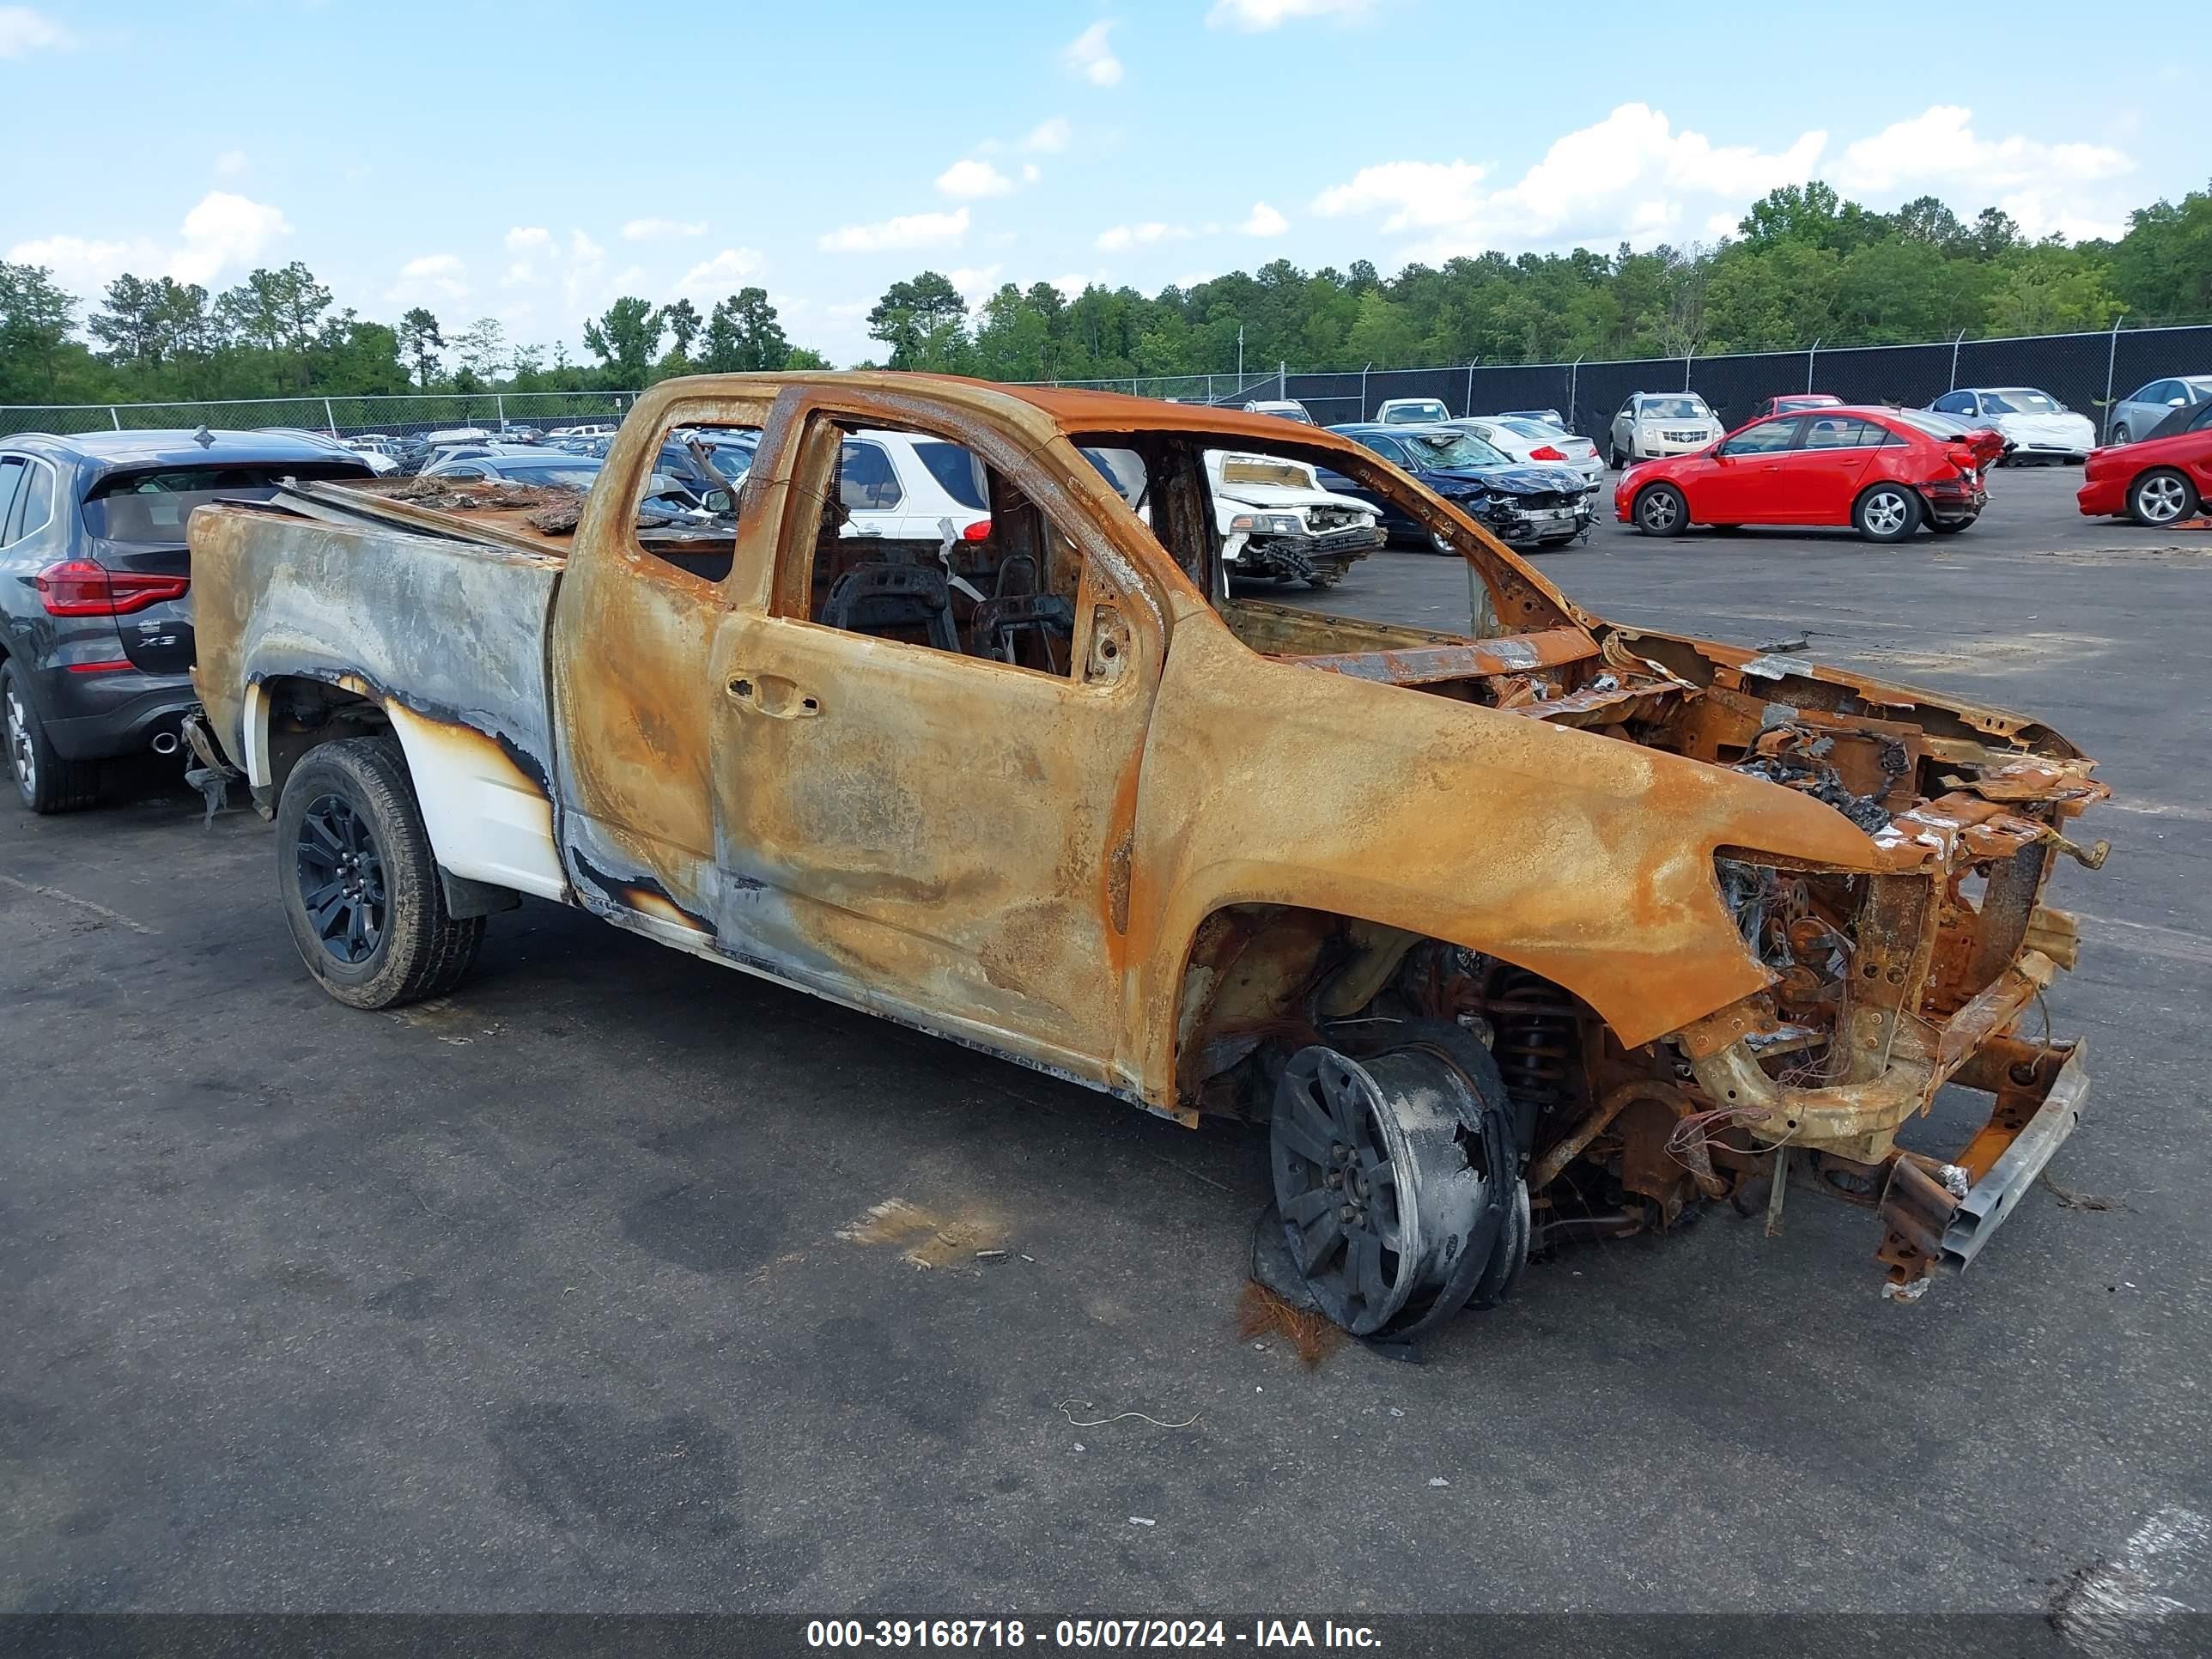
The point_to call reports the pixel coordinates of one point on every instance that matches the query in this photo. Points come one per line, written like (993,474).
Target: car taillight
(78,587)
(978,532)
(1546,452)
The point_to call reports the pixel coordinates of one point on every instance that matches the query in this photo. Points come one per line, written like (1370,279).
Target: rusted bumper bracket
(1991,1199)
(2039,1095)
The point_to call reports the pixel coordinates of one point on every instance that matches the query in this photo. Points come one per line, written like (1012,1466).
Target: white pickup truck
(1504,934)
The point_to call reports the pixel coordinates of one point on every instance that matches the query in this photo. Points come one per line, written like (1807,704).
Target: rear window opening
(154,507)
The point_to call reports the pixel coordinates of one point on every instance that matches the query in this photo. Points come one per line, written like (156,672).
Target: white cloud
(430,276)
(528,243)
(1089,56)
(976,284)
(717,276)
(1939,147)
(1072,285)
(909,230)
(1264,221)
(578,265)
(972,179)
(82,265)
(1622,178)
(1032,173)
(1255,16)
(230,164)
(1419,194)
(223,231)
(1049,136)
(656,230)
(2038,214)
(23,30)
(1123,236)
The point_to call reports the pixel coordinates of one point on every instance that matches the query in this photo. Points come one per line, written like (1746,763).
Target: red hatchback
(2165,478)
(1884,473)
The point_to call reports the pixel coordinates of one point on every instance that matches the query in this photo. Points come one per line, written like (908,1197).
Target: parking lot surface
(601,1283)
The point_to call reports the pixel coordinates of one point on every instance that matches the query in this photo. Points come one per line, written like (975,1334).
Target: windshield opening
(1676,409)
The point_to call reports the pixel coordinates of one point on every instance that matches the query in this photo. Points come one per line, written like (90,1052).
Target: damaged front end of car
(1885,983)
(1861,958)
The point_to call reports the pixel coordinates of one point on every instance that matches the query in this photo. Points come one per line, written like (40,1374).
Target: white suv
(902,485)
(1651,424)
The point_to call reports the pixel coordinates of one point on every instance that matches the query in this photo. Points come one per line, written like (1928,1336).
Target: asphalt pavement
(617,1280)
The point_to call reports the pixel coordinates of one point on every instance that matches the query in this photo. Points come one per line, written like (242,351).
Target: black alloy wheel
(341,875)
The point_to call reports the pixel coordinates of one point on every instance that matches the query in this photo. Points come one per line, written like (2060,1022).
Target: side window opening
(12,468)
(38,499)
(689,503)
(923,541)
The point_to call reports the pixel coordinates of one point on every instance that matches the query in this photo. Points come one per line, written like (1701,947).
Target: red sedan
(1793,403)
(2164,479)
(1883,472)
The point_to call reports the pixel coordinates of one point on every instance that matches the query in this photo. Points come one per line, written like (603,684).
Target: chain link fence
(396,415)
(2085,372)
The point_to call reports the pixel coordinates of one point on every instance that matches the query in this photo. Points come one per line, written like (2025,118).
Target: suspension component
(1536,1046)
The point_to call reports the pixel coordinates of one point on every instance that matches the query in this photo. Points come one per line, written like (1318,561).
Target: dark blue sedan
(1522,504)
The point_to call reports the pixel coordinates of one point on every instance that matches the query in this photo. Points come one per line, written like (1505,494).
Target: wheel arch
(487,805)
(1246,967)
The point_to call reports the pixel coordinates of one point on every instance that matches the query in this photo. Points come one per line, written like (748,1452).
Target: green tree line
(1805,264)
(279,334)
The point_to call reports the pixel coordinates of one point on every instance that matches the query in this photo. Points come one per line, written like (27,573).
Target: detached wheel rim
(1660,511)
(2160,499)
(1382,1184)
(22,756)
(341,877)
(1886,513)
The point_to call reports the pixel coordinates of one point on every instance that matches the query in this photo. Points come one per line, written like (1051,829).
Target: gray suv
(96,588)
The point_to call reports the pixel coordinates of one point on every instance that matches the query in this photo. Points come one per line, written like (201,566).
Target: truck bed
(436,616)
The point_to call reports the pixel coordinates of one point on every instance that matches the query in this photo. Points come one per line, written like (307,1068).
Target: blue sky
(531,162)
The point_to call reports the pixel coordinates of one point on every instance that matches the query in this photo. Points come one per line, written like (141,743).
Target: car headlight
(1267,523)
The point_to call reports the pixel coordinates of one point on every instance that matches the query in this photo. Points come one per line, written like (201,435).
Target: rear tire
(2160,497)
(2120,435)
(44,781)
(360,884)
(1887,512)
(1661,510)
(1953,527)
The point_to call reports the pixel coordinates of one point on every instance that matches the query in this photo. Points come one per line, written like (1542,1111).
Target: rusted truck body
(1545,927)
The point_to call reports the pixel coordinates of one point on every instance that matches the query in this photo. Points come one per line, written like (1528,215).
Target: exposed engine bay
(1883,983)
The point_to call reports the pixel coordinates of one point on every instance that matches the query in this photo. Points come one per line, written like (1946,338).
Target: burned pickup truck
(1545,928)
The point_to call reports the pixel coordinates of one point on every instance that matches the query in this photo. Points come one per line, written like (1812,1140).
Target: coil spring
(1535,1041)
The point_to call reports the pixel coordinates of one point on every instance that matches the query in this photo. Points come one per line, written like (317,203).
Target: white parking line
(2103,1613)
(100,910)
